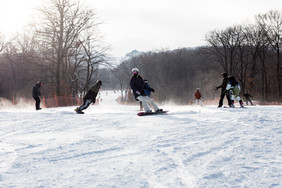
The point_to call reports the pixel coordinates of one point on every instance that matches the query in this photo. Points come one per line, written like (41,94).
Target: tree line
(249,52)
(64,50)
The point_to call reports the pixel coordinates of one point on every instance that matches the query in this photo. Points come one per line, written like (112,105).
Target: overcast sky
(146,25)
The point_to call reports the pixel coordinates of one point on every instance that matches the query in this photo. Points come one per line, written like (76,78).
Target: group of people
(89,98)
(140,88)
(231,89)
(142,91)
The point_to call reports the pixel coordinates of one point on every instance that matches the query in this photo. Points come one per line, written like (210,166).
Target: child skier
(198,97)
(233,88)
(247,97)
(147,90)
(137,86)
(90,97)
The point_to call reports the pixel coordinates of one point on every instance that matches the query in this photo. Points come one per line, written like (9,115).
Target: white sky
(147,25)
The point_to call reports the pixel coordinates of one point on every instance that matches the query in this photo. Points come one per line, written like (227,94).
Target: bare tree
(224,46)
(258,45)
(62,25)
(272,24)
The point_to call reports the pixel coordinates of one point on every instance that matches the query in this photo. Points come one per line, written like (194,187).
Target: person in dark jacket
(137,86)
(36,93)
(223,90)
(90,97)
(247,97)
(148,90)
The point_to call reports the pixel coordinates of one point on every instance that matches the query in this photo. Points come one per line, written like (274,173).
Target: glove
(138,93)
(152,90)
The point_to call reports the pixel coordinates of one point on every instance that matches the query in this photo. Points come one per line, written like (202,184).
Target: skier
(223,89)
(198,97)
(137,86)
(36,93)
(147,90)
(90,97)
(233,88)
(247,97)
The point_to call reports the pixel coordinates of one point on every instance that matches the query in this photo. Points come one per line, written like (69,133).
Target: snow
(110,146)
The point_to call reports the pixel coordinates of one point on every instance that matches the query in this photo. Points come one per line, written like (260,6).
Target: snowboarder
(147,90)
(233,88)
(90,97)
(36,93)
(137,86)
(198,97)
(223,89)
(247,97)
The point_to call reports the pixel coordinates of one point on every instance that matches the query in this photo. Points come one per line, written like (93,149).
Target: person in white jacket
(233,88)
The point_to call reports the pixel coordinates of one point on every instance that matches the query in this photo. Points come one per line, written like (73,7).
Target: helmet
(99,82)
(39,83)
(135,71)
(145,81)
(224,74)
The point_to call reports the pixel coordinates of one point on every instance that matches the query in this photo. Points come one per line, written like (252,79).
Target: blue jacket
(147,89)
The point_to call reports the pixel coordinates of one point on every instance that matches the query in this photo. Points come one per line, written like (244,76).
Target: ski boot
(232,104)
(159,111)
(241,103)
(148,112)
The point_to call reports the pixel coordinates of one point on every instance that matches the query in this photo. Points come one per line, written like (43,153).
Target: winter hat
(99,82)
(135,71)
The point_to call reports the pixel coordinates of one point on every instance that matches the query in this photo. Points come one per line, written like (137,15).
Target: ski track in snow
(110,146)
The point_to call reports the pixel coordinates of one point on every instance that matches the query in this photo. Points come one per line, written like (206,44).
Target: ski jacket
(234,88)
(247,95)
(92,93)
(36,90)
(137,85)
(223,85)
(197,95)
(148,89)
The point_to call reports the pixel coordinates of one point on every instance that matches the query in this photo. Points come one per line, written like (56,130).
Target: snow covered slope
(110,146)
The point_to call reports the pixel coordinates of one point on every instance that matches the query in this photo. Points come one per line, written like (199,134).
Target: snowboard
(151,113)
(233,107)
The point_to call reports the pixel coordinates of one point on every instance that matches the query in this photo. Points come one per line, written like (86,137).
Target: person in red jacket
(198,97)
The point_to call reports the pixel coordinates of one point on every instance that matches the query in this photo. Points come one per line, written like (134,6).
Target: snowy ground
(110,146)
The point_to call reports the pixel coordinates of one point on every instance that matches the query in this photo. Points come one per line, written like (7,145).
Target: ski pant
(147,100)
(85,104)
(37,102)
(198,101)
(222,97)
(249,100)
(233,97)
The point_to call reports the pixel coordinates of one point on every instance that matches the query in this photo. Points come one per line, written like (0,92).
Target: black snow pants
(37,103)
(222,97)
